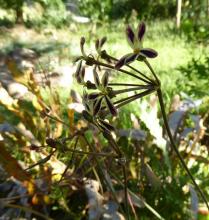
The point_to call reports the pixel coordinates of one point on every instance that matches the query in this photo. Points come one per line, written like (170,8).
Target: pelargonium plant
(102,100)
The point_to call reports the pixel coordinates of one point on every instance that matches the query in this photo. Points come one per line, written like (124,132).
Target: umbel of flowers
(101,98)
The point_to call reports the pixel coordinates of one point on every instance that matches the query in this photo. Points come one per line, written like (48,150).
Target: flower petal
(121,61)
(105,79)
(96,79)
(93,95)
(82,74)
(147,52)
(130,36)
(131,58)
(110,106)
(78,69)
(126,59)
(102,41)
(141,31)
(97,44)
(97,106)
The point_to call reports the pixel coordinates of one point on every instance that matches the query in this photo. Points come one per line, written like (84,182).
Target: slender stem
(124,84)
(152,71)
(126,191)
(127,100)
(92,153)
(71,159)
(162,106)
(100,168)
(57,119)
(131,67)
(120,70)
(117,92)
(26,209)
(42,161)
(115,146)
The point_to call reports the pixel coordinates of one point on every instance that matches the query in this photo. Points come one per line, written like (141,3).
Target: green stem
(117,92)
(124,84)
(131,67)
(101,169)
(152,71)
(126,191)
(120,70)
(115,146)
(127,100)
(162,106)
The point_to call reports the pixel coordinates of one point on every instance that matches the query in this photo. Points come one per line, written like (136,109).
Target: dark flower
(135,40)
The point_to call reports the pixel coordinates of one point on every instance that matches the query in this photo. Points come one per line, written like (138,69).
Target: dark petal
(97,106)
(121,61)
(147,52)
(130,34)
(97,44)
(78,69)
(93,95)
(105,79)
(90,85)
(87,116)
(104,129)
(110,106)
(106,125)
(103,40)
(96,78)
(82,42)
(141,31)
(131,58)
(82,74)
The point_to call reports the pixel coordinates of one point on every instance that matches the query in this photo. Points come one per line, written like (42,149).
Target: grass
(175,50)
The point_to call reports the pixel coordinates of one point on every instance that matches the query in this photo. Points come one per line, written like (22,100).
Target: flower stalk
(101,103)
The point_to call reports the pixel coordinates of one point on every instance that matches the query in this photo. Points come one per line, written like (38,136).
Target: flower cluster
(98,103)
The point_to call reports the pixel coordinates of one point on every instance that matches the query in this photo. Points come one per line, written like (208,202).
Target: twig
(26,209)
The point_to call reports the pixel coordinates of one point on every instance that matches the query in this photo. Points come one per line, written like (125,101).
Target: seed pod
(110,106)
(97,106)
(106,125)
(82,42)
(102,41)
(96,79)
(97,44)
(87,116)
(82,75)
(105,79)
(78,69)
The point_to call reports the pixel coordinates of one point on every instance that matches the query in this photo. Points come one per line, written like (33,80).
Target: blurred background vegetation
(39,41)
